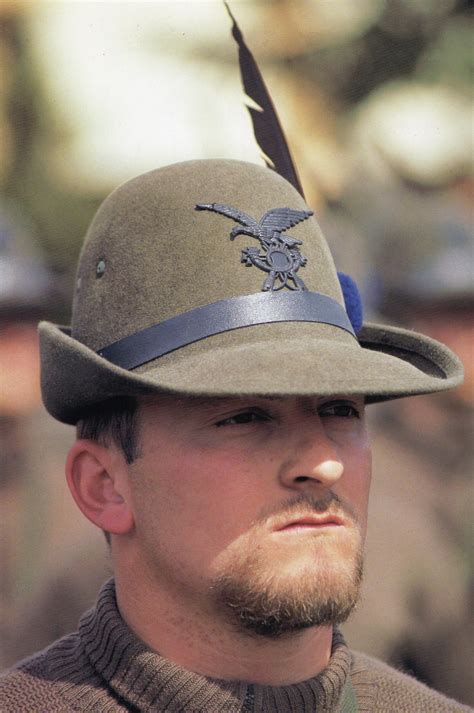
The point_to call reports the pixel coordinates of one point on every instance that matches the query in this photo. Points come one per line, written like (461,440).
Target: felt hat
(213,278)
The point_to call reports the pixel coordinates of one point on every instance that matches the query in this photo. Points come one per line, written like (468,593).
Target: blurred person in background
(25,287)
(422,501)
(36,513)
(417,219)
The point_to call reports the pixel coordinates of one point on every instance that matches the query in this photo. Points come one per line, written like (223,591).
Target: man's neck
(202,642)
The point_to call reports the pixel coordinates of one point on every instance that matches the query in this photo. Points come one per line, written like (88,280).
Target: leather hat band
(223,316)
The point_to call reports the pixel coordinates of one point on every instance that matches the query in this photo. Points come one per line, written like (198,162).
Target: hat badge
(279,255)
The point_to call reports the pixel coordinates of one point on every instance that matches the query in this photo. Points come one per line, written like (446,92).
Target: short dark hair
(114,420)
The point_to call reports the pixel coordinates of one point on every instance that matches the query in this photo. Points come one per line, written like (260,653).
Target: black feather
(266,125)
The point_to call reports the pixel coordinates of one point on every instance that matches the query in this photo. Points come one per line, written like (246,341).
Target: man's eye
(243,418)
(339,409)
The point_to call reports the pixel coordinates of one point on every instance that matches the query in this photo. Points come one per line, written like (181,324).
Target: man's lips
(309,522)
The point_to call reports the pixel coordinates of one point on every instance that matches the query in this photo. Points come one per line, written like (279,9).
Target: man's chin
(299,591)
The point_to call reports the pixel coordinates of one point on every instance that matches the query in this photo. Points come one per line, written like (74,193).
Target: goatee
(271,601)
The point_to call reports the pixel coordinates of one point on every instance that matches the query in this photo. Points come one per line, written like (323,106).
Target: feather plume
(266,125)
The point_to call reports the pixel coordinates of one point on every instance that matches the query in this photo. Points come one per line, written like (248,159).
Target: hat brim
(298,359)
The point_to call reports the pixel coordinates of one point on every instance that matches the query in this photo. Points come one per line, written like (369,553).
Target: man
(219,386)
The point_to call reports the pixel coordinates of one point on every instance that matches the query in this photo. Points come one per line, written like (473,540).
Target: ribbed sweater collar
(148,682)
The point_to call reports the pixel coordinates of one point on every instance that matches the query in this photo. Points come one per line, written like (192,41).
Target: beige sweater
(104,668)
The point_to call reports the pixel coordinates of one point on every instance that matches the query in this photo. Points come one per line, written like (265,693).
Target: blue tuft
(352,300)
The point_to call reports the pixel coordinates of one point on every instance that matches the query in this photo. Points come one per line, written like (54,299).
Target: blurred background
(376,100)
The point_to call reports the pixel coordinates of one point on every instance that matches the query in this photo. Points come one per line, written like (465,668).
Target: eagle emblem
(279,254)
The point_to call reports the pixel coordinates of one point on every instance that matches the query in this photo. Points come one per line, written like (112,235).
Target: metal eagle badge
(279,255)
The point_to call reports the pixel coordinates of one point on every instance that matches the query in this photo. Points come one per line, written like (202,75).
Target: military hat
(213,278)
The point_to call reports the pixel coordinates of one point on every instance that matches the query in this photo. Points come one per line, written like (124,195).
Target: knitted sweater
(104,668)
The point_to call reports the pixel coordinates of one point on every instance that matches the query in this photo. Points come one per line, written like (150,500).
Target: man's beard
(268,601)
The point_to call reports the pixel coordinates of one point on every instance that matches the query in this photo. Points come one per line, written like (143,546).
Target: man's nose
(313,459)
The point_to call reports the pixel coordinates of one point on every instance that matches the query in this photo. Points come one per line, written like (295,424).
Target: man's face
(255,508)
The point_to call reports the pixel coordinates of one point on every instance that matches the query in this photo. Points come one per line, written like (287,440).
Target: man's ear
(97,479)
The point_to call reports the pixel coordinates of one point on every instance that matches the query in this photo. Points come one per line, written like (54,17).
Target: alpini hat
(213,278)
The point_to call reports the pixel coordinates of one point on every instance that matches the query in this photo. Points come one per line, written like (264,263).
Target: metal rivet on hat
(100,268)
